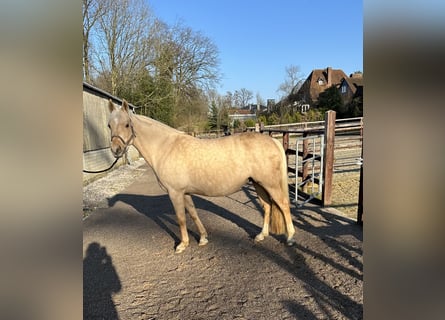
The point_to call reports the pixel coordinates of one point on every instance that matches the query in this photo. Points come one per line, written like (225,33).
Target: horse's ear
(110,105)
(125,105)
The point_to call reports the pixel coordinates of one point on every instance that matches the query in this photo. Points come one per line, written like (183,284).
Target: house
(241,115)
(255,108)
(351,87)
(318,81)
(250,111)
(303,97)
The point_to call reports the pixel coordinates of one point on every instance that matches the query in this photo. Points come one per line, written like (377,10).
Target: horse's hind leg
(178,203)
(282,201)
(189,205)
(264,199)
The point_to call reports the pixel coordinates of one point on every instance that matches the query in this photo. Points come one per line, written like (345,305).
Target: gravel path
(96,193)
(132,272)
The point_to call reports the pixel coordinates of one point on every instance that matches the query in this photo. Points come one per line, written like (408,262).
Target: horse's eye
(109,126)
(127,125)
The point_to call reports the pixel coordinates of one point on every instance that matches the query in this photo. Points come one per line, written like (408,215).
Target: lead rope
(100,171)
(126,143)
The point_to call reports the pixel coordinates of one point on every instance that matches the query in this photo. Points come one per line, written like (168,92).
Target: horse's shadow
(160,210)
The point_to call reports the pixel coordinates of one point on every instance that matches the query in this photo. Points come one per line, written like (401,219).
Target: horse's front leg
(177,199)
(189,205)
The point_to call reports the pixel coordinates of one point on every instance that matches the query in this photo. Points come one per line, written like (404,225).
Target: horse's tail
(277,225)
(277,222)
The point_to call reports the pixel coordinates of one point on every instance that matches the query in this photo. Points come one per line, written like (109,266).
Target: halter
(126,143)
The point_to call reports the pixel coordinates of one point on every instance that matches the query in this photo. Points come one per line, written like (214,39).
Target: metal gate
(309,168)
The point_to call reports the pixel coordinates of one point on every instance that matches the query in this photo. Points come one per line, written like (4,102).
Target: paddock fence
(313,162)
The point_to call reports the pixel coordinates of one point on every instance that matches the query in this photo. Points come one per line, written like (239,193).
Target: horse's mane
(151,121)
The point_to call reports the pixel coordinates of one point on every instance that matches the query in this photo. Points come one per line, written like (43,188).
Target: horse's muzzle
(118,152)
(118,146)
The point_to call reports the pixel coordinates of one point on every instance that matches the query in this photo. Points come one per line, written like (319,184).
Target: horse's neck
(152,138)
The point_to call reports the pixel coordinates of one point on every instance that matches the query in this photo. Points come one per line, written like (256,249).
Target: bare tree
(242,97)
(161,62)
(196,61)
(121,40)
(165,68)
(194,70)
(259,100)
(92,10)
(228,100)
(292,82)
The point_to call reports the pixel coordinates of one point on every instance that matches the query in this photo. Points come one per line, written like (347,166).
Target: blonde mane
(150,121)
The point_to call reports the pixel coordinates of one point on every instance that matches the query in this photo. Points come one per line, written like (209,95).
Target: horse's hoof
(203,242)
(259,237)
(181,247)
(291,242)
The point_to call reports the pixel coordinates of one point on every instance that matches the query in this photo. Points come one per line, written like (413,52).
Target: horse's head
(122,132)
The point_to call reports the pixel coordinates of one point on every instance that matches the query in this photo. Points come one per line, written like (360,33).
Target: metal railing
(301,167)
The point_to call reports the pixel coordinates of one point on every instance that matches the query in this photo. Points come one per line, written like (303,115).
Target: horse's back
(220,166)
(241,149)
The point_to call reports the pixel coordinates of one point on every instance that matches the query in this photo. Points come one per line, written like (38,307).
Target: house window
(320,81)
(343,88)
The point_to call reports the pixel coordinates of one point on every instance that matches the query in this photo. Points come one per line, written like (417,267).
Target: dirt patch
(345,190)
(132,272)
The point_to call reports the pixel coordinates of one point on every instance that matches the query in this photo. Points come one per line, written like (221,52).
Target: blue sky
(258,39)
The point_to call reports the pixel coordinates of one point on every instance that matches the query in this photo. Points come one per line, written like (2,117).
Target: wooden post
(328,163)
(286,145)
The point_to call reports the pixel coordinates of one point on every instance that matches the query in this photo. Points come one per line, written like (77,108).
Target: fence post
(328,163)
(286,145)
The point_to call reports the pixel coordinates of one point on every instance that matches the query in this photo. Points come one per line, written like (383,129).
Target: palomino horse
(185,165)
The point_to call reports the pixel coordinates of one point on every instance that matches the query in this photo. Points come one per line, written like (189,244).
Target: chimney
(329,76)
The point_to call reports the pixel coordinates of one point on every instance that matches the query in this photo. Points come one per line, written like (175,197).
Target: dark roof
(355,81)
(318,81)
(239,111)
(106,95)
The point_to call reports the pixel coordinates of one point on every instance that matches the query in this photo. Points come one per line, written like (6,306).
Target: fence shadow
(323,293)
(330,228)
(100,282)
